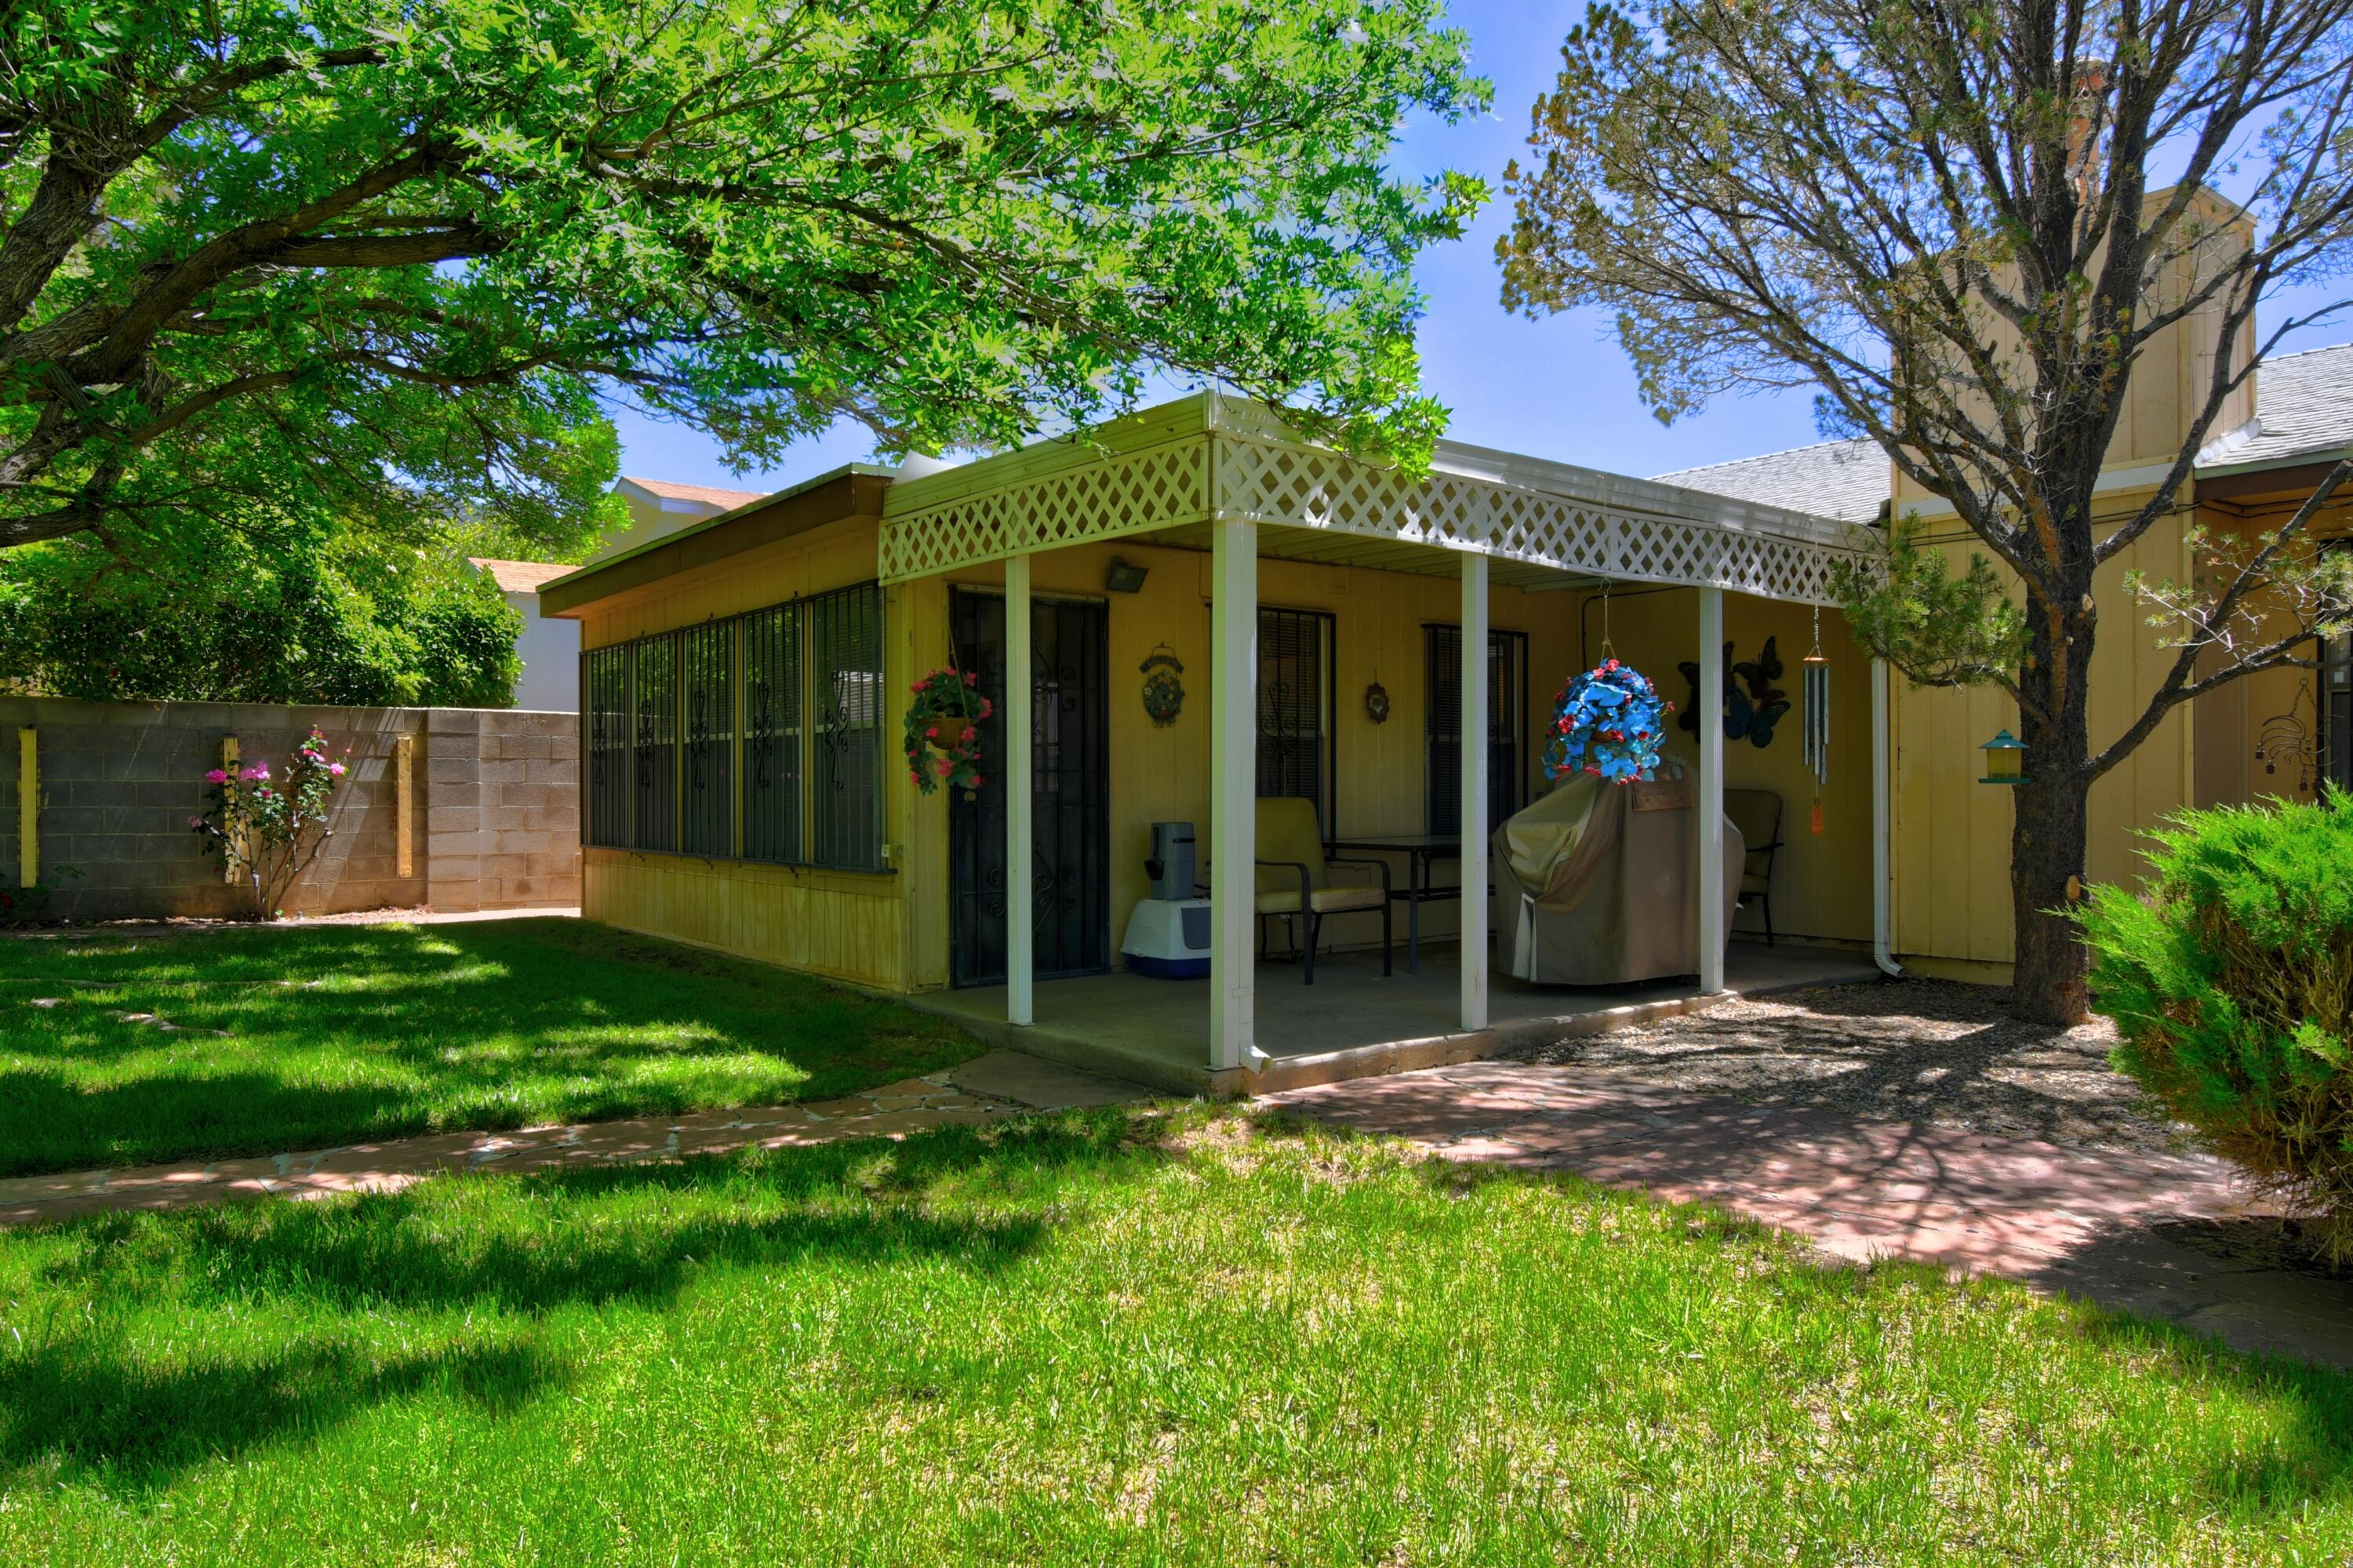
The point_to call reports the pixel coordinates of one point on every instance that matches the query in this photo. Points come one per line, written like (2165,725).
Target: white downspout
(1882,825)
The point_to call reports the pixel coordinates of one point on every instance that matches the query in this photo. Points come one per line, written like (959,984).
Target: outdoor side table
(1420,851)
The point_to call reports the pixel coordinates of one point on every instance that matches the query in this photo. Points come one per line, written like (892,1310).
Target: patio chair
(1294,877)
(1758,814)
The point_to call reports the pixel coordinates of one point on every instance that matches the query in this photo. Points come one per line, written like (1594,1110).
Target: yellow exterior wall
(2275,709)
(1821,885)
(1161,775)
(1952,833)
(851,925)
(891,930)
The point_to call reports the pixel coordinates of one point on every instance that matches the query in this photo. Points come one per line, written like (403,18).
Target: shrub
(29,904)
(270,829)
(2230,980)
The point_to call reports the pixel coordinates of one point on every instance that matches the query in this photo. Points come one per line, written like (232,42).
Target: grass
(293,1038)
(1142,1335)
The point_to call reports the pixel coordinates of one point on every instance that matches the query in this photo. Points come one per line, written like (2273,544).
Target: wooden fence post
(28,806)
(403,824)
(228,766)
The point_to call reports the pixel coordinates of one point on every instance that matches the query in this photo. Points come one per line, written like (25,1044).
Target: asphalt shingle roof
(709,495)
(521,577)
(1845,480)
(2303,411)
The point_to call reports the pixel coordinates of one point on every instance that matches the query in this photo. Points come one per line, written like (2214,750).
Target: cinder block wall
(495,805)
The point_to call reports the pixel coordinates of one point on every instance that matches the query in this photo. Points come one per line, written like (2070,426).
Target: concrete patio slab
(1354,1022)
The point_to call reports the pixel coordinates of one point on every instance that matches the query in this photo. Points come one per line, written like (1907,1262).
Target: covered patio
(1355,1021)
(1225,479)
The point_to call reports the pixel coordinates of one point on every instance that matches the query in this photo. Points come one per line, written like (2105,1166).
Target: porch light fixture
(2005,759)
(1125,578)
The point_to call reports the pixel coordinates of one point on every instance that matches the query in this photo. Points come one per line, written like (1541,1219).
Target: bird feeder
(2005,759)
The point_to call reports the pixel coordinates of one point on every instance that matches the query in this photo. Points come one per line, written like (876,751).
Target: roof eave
(567,595)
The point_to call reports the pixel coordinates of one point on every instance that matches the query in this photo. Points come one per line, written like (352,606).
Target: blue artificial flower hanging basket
(1606,721)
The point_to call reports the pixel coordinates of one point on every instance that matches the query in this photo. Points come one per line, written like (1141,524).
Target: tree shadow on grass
(376,1032)
(47,1124)
(509,1249)
(637,1233)
(98,1407)
(503,1252)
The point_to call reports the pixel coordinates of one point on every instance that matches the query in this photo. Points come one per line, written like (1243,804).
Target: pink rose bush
(268,830)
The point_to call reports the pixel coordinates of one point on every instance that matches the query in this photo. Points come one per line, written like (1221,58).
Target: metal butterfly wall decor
(1752,712)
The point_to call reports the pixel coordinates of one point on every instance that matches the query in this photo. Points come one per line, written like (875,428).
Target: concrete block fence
(493,819)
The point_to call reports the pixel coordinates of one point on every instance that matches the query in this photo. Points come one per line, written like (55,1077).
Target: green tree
(1946,219)
(340,619)
(368,260)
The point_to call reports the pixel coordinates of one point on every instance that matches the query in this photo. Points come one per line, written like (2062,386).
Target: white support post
(1233,790)
(1474,790)
(1711,789)
(1020,797)
(1882,742)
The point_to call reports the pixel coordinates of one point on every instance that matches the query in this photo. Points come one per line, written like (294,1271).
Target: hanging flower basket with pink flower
(944,731)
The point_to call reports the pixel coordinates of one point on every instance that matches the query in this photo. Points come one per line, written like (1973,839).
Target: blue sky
(1558,387)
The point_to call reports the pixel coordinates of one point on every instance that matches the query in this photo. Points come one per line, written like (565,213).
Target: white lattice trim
(1276,481)
(1213,457)
(1095,498)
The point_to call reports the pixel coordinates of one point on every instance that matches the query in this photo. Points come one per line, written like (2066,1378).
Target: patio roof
(1167,473)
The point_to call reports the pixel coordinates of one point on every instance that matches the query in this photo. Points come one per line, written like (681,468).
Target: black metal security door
(1070,813)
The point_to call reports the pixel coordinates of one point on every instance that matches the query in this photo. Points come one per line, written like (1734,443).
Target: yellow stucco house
(1388,650)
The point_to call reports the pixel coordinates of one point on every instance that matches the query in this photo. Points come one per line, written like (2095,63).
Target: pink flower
(196,821)
(217,776)
(970,678)
(985,709)
(336,769)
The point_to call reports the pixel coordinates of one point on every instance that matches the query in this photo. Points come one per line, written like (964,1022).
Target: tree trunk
(2051,831)
(2046,849)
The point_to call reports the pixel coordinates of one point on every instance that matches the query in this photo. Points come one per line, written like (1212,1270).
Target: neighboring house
(658,507)
(548,649)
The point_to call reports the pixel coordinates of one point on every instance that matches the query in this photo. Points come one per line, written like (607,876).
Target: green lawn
(1129,1336)
(332,1035)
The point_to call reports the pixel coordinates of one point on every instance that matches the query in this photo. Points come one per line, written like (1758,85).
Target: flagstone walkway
(987,1088)
(2101,1224)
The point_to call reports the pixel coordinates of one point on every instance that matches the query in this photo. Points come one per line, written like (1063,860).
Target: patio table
(1419,849)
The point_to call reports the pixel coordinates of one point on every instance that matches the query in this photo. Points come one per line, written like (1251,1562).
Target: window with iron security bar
(1508,727)
(772,734)
(653,702)
(846,721)
(1295,733)
(762,737)
(706,658)
(605,715)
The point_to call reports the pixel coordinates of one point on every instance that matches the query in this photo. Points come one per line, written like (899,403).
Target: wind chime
(1817,692)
